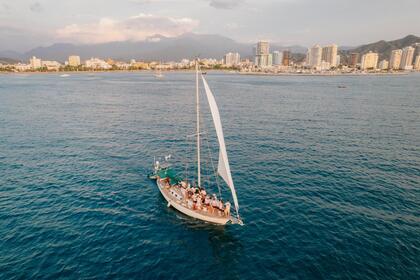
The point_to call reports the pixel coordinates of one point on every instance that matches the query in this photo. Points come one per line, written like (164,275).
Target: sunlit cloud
(136,28)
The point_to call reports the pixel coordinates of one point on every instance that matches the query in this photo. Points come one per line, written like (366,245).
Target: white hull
(181,206)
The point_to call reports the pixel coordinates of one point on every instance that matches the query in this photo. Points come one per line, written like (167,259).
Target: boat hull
(177,204)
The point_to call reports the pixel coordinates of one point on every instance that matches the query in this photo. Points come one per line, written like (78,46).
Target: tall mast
(198,124)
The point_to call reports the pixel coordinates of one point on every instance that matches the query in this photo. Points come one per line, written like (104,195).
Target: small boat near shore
(189,196)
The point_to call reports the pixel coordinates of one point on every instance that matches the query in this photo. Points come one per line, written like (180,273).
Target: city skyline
(25,25)
(320,59)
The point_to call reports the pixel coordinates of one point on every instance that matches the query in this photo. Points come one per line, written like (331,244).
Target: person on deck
(214,203)
(203,192)
(221,205)
(184,193)
(227,209)
(198,204)
(190,203)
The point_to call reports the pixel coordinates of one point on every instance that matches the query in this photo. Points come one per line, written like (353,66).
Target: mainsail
(223,167)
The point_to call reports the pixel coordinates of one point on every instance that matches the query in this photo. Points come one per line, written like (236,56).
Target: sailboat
(194,200)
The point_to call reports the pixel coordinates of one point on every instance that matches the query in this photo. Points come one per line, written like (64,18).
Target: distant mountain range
(188,45)
(5,60)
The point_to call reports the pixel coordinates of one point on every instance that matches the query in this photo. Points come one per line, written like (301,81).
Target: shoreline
(327,74)
(212,70)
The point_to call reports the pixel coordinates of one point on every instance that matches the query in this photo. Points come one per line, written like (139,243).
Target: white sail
(223,167)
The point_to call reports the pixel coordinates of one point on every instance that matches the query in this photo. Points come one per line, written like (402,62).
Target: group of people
(198,199)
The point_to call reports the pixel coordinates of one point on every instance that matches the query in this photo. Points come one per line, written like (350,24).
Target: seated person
(190,203)
(203,192)
(220,206)
(198,204)
(227,209)
(214,202)
(207,200)
(183,192)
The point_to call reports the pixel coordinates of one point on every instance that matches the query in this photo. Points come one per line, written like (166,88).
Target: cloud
(225,4)
(22,39)
(36,7)
(232,26)
(136,28)
(5,6)
(143,2)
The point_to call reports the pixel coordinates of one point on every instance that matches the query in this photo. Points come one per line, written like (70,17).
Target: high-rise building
(277,58)
(314,56)
(369,61)
(232,59)
(407,58)
(74,60)
(338,60)
(286,58)
(417,51)
(262,52)
(354,59)
(270,60)
(383,65)
(417,63)
(263,48)
(395,59)
(35,63)
(329,54)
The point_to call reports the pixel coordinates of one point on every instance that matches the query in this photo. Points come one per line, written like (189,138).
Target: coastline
(210,71)
(326,74)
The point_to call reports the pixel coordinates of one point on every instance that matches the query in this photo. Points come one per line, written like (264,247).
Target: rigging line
(205,167)
(207,171)
(213,169)
(212,164)
(190,161)
(186,160)
(190,142)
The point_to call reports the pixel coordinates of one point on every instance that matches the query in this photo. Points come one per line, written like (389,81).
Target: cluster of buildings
(74,63)
(400,59)
(232,59)
(318,59)
(263,58)
(37,64)
(327,59)
(322,58)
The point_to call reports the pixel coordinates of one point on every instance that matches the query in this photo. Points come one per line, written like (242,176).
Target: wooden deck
(173,195)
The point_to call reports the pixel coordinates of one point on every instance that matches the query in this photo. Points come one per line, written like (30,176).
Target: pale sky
(25,24)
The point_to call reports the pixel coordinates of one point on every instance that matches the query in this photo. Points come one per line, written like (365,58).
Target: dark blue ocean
(328,178)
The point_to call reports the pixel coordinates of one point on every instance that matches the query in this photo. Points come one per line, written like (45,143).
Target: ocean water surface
(328,178)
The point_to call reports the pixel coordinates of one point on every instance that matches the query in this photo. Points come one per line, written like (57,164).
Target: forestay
(223,167)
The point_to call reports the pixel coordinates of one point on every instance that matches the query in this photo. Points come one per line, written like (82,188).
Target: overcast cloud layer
(25,24)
